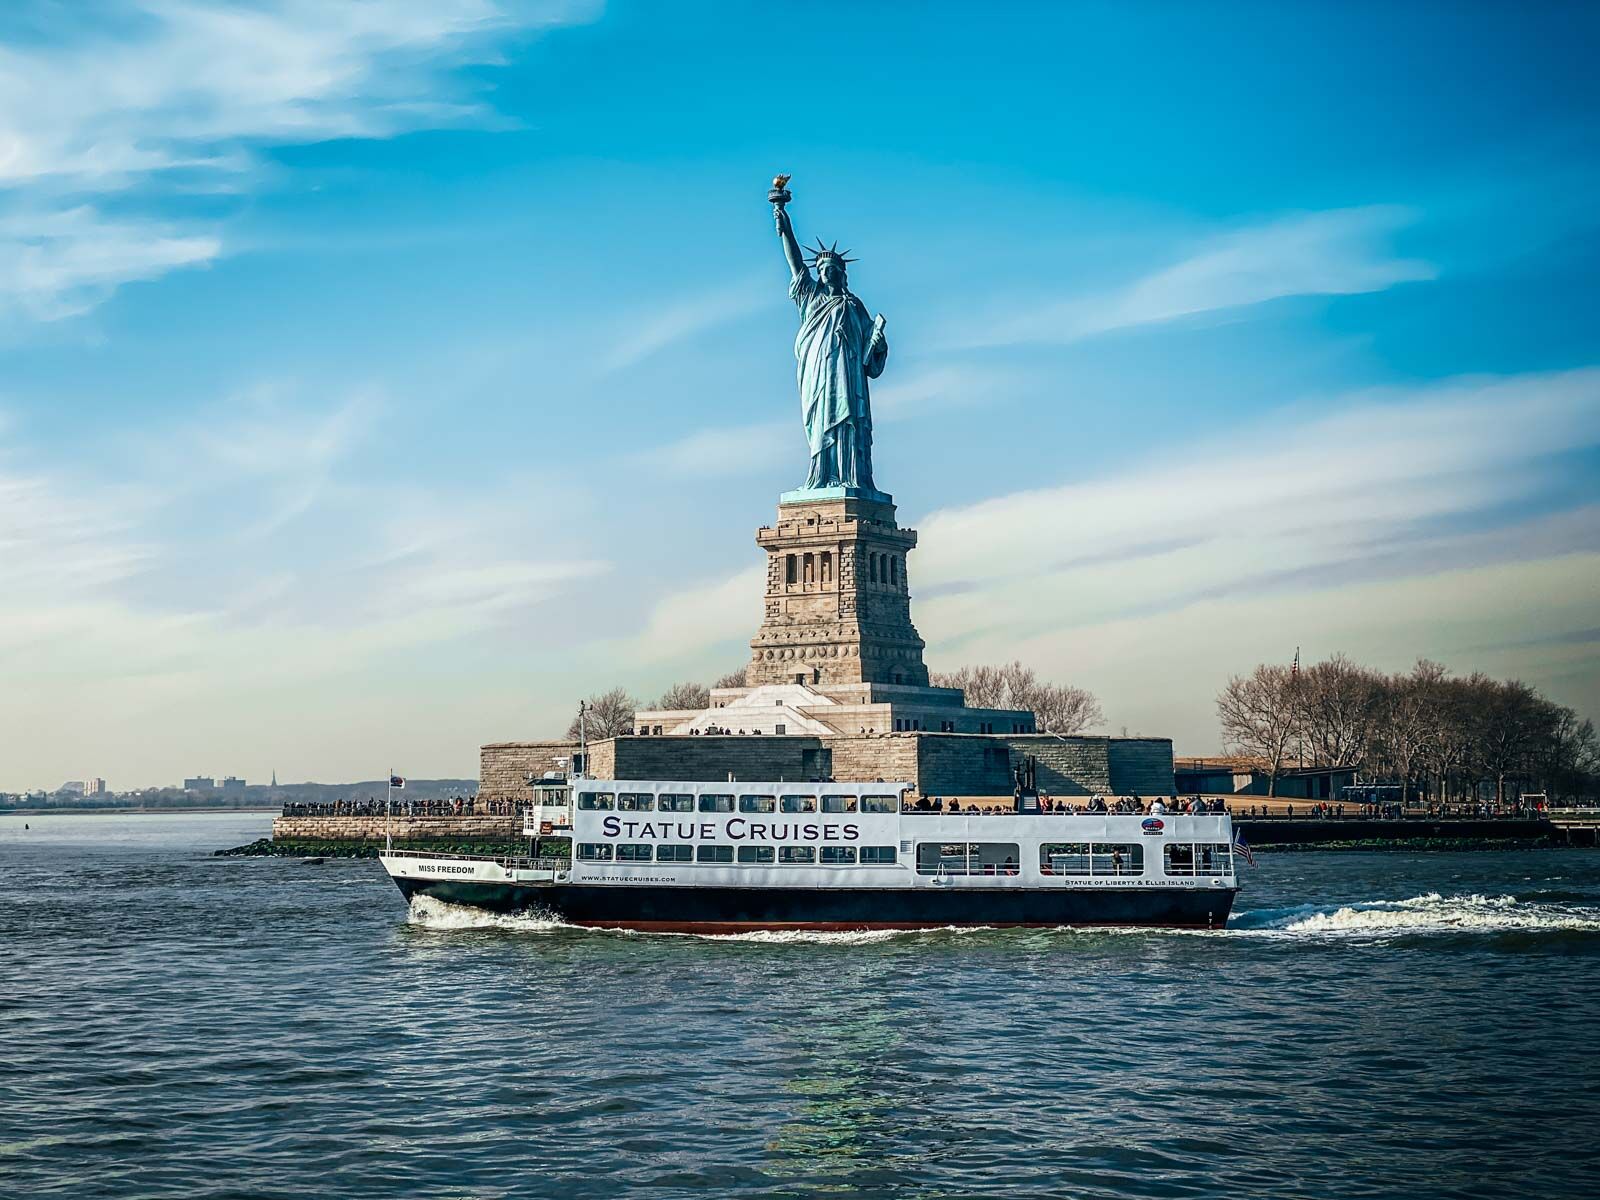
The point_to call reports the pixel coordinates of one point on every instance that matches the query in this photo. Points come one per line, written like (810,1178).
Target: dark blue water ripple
(174,1025)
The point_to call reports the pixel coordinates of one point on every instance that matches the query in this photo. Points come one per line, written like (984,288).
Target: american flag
(1242,850)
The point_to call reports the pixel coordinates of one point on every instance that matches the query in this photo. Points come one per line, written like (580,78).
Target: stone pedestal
(838,607)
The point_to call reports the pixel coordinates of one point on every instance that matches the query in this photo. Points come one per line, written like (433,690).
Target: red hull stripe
(860,926)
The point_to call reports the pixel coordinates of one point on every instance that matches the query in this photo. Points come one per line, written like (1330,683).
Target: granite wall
(937,764)
(504,767)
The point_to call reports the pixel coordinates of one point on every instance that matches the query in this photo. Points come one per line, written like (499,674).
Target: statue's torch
(779,195)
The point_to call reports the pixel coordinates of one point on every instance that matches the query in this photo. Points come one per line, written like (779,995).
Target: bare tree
(1339,704)
(1507,719)
(1451,735)
(732,679)
(684,696)
(607,714)
(1449,747)
(1057,707)
(1406,721)
(1260,714)
(1570,759)
(985,687)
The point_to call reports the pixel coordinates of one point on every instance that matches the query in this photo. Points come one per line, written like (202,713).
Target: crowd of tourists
(1052,806)
(1388,810)
(452,806)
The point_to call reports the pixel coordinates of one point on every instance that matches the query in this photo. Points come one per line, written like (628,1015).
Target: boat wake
(429,913)
(1434,914)
(831,937)
(426,912)
(1418,916)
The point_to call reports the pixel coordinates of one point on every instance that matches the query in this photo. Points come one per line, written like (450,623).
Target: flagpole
(388,815)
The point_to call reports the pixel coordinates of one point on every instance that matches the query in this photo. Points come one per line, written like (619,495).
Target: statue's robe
(837,351)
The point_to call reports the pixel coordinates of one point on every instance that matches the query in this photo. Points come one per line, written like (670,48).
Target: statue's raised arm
(779,195)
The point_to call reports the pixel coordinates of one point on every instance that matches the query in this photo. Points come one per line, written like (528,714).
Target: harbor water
(1417,1025)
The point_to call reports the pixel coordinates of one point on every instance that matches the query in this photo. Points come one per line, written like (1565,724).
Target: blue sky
(377,378)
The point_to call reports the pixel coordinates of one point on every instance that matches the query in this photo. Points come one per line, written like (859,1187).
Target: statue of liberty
(837,350)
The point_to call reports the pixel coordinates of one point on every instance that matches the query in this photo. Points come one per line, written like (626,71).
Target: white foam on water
(431,913)
(1428,914)
(832,937)
(1436,914)
(428,912)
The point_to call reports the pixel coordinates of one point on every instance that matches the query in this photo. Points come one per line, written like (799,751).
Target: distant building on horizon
(95,787)
(72,787)
(232,785)
(200,783)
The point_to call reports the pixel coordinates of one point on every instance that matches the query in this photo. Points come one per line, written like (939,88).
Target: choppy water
(174,1025)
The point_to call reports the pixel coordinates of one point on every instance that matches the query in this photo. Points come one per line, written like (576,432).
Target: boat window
(838,855)
(1117,858)
(967,858)
(675,803)
(935,858)
(714,854)
(1064,858)
(880,804)
(797,854)
(674,853)
(838,804)
(634,852)
(798,804)
(1082,858)
(1201,858)
(596,801)
(635,802)
(594,852)
(877,854)
(716,803)
(758,804)
(755,854)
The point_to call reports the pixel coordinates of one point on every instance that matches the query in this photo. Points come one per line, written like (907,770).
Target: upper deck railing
(512,862)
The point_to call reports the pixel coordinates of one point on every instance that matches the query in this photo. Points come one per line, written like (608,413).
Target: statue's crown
(821,252)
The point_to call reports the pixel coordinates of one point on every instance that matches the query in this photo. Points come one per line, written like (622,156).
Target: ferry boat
(724,858)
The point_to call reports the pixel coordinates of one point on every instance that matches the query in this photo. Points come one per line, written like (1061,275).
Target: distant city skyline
(379,380)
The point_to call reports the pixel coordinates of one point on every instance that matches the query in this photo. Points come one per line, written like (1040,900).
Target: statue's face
(831,272)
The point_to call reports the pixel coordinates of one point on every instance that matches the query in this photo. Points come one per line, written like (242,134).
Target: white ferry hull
(738,910)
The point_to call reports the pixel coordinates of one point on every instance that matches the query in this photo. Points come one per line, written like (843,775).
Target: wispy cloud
(194,558)
(1338,252)
(730,450)
(175,97)
(1295,492)
(939,387)
(685,623)
(56,264)
(686,317)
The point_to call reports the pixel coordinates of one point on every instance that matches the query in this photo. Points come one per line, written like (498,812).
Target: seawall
(376,828)
(1291,831)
